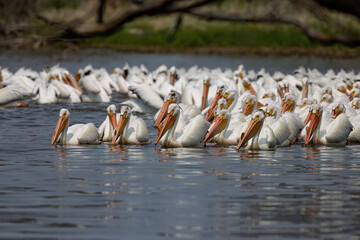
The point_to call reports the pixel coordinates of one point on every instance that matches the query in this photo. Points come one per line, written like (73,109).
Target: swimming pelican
(108,126)
(75,134)
(321,129)
(190,135)
(257,136)
(130,129)
(225,129)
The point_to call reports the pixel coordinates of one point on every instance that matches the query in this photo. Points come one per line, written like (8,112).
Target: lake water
(145,192)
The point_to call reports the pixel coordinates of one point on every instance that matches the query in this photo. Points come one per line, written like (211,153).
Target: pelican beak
(314,123)
(173,77)
(112,118)
(351,96)
(248,108)
(60,126)
(77,77)
(210,112)
(288,107)
(74,83)
(168,123)
(120,127)
(251,130)
(343,90)
(249,87)
(280,91)
(229,101)
(162,113)
(206,87)
(217,127)
(308,118)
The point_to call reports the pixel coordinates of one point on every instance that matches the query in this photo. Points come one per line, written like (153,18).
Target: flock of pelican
(198,106)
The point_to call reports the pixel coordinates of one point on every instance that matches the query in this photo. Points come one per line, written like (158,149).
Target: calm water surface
(144,192)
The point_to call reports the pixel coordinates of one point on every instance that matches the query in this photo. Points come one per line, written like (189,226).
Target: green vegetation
(194,34)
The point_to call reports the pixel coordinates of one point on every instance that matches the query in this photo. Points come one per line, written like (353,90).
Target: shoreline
(322,51)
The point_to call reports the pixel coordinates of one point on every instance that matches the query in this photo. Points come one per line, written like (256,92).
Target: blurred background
(320,27)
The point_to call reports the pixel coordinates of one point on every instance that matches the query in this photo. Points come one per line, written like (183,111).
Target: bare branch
(310,32)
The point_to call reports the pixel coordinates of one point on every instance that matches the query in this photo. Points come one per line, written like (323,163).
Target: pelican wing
(90,84)
(194,132)
(148,95)
(88,134)
(11,93)
(339,130)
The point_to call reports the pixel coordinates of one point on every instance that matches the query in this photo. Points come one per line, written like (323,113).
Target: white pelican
(209,112)
(75,134)
(190,135)
(130,129)
(321,129)
(257,136)
(279,125)
(225,129)
(107,128)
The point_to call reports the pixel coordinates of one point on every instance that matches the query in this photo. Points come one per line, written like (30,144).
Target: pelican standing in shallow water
(190,135)
(75,134)
(130,129)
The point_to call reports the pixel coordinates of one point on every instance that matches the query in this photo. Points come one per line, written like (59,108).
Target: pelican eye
(250,102)
(221,105)
(125,114)
(222,116)
(265,95)
(172,112)
(226,95)
(220,91)
(288,101)
(257,117)
(171,99)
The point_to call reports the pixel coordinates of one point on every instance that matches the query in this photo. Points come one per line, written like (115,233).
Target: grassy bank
(219,37)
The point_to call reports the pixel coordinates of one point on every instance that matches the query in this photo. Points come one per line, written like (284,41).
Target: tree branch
(308,31)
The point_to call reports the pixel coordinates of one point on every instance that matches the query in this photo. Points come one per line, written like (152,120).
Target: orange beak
(112,118)
(60,126)
(206,87)
(308,118)
(281,93)
(162,113)
(119,128)
(168,123)
(210,112)
(217,127)
(74,83)
(253,128)
(248,109)
(314,123)
(287,107)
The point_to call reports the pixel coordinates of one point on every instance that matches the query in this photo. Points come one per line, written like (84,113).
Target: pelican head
(62,124)
(230,96)
(327,98)
(326,90)
(355,103)
(125,113)
(111,110)
(221,105)
(219,93)
(270,94)
(305,102)
(250,104)
(222,117)
(247,86)
(172,115)
(315,113)
(172,97)
(337,109)
(271,111)
(341,87)
(254,128)
(288,103)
